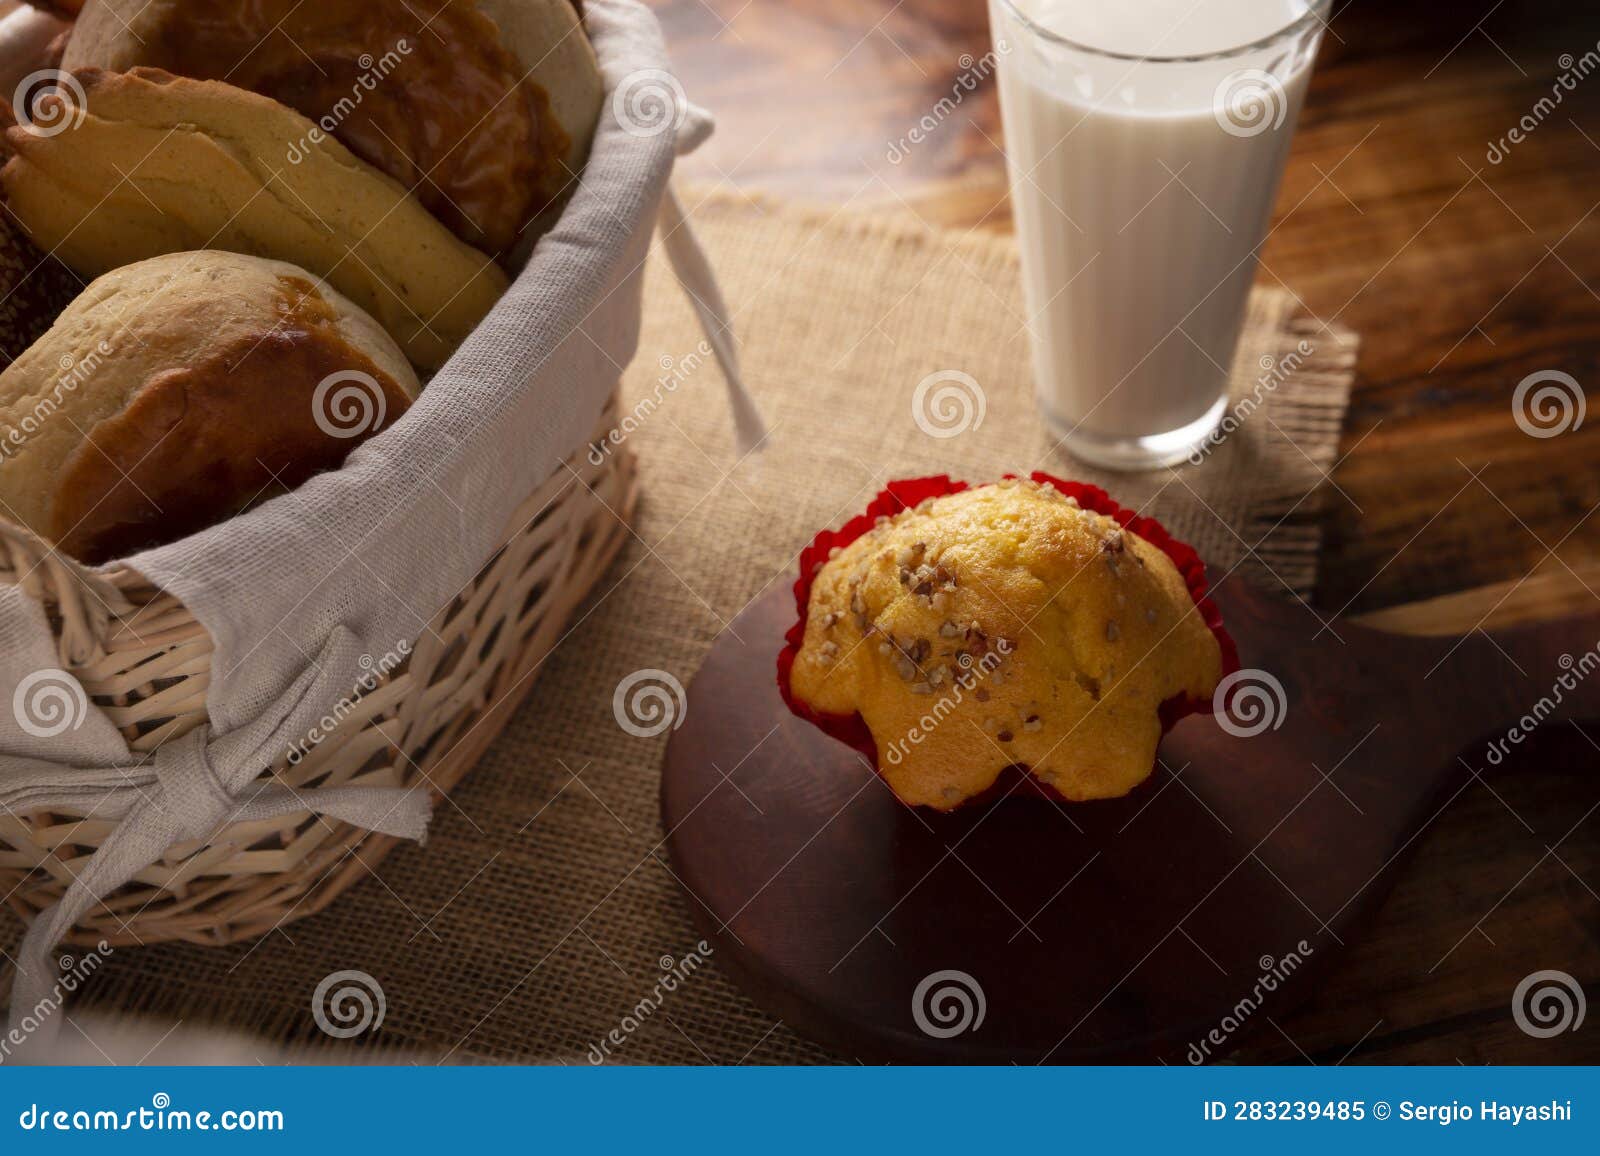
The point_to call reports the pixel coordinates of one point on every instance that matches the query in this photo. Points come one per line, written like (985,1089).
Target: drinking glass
(1144,165)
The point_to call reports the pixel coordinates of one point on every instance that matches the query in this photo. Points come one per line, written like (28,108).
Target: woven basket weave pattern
(146,663)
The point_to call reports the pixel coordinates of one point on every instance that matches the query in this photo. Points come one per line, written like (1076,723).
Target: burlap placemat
(541,915)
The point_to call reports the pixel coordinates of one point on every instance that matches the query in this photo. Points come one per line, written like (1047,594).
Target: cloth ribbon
(185,791)
(692,268)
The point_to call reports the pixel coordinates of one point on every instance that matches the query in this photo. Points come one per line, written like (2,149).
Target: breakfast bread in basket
(277,198)
(483,109)
(152,163)
(177,391)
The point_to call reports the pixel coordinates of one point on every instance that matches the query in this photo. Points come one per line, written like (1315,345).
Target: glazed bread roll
(484,109)
(150,163)
(178,391)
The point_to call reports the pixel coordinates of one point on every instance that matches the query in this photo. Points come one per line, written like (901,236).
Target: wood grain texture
(1128,929)
(1463,276)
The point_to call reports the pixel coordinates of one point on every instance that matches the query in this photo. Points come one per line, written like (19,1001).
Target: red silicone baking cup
(903,495)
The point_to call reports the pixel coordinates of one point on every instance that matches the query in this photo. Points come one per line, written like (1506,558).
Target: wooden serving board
(1163,926)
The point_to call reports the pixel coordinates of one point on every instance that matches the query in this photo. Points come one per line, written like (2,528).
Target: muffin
(954,632)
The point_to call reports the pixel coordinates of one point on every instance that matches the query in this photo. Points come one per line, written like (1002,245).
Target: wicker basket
(145,661)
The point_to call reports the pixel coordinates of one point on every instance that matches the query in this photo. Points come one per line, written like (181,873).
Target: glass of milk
(1145,141)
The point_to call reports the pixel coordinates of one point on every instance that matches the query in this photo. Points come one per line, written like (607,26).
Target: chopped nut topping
(1005,736)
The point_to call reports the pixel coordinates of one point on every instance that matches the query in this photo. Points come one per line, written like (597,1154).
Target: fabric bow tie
(189,788)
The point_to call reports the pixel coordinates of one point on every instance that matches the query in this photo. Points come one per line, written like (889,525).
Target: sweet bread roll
(151,163)
(176,392)
(483,108)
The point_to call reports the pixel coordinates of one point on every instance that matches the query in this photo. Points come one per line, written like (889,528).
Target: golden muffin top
(1004,625)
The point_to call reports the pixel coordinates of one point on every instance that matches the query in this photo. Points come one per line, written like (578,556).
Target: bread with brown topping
(150,163)
(484,109)
(178,391)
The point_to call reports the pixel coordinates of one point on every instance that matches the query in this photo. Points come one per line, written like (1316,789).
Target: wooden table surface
(1463,276)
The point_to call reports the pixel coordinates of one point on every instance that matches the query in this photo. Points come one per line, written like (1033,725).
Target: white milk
(1137,213)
